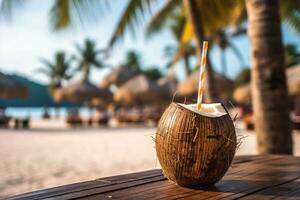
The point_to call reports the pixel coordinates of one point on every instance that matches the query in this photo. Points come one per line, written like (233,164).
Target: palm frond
(60,14)
(67,13)
(290,13)
(44,71)
(159,20)
(47,63)
(187,33)
(131,19)
(181,50)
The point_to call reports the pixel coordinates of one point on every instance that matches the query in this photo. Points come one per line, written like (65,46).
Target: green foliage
(243,77)
(153,73)
(290,13)
(162,19)
(57,70)
(133,60)
(132,18)
(88,56)
(292,55)
(66,13)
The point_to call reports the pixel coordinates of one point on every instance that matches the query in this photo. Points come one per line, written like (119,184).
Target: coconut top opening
(208,110)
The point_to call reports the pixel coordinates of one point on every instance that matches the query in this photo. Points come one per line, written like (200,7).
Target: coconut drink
(195,143)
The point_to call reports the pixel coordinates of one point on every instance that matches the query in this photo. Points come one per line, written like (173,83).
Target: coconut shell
(194,150)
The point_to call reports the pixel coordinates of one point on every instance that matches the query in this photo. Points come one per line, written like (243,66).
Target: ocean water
(38,112)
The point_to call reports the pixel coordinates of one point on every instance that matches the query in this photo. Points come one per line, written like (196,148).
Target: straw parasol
(81,91)
(118,76)
(169,83)
(11,88)
(189,86)
(101,102)
(142,90)
(242,94)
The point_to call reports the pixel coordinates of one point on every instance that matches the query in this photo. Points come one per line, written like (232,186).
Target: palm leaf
(159,20)
(290,13)
(47,63)
(60,16)
(131,19)
(44,71)
(66,13)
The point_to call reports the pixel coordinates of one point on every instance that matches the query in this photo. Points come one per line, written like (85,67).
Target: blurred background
(83,83)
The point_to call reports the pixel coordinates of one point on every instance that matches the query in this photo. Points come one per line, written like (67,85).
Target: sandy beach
(50,155)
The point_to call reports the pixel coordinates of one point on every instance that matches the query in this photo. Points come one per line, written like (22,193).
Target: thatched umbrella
(142,90)
(11,88)
(82,91)
(118,76)
(189,87)
(101,102)
(242,94)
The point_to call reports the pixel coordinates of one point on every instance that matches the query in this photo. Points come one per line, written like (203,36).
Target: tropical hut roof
(11,88)
(118,76)
(242,94)
(142,90)
(101,102)
(81,91)
(169,82)
(189,86)
(293,78)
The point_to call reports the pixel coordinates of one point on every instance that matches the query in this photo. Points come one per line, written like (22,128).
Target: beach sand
(46,157)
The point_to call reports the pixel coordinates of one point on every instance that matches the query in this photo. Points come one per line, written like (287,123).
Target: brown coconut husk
(194,149)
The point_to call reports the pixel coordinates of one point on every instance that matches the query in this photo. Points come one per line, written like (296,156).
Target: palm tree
(88,56)
(57,70)
(176,22)
(133,60)
(269,90)
(292,55)
(174,52)
(224,42)
(195,20)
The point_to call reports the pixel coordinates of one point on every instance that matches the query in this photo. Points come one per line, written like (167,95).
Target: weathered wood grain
(250,177)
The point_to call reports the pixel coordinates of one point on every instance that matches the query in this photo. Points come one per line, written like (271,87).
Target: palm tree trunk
(211,94)
(269,91)
(86,72)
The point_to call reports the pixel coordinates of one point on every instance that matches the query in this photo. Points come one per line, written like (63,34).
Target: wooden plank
(151,184)
(169,189)
(110,188)
(104,182)
(285,190)
(166,194)
(245,186)
(176,191)
(45,193)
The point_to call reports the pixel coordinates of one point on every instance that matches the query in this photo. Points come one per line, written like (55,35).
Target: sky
(29,37)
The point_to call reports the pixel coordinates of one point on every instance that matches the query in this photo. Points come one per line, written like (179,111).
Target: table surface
(249,177)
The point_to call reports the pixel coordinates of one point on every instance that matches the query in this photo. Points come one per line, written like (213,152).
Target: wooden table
(250,177)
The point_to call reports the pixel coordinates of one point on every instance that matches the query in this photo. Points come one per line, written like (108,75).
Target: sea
(37,112)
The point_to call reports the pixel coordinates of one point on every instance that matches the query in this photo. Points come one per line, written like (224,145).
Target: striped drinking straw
(202,74)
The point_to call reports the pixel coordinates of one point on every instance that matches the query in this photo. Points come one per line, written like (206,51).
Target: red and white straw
(202,75)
